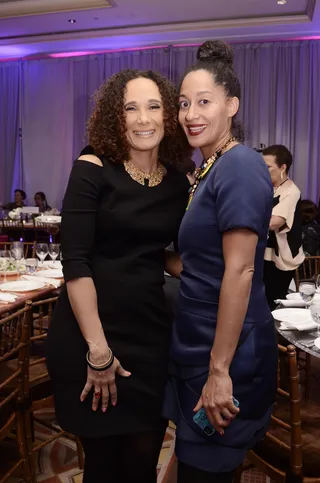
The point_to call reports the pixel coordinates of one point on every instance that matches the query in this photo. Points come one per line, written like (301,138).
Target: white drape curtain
(10,166)
(280,104)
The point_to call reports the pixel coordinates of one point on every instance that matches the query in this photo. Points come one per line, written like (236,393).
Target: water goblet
(42,251)
(54,250)
(31,265)
(307,292)
(17,254)
(315,313)
(4,263)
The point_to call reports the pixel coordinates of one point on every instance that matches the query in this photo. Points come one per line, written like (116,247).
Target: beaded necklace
(205,168)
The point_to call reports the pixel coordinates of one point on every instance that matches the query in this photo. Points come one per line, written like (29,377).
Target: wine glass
(307,292)
(17,254)
(31,265)
(54,250)
(318,283)
(315,313)
(4,263)
(42,251)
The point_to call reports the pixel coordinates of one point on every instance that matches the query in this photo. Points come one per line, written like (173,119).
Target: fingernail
(104,410)
(114,403)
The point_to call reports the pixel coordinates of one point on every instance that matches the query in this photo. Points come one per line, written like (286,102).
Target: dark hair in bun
(215,50)
(216,57)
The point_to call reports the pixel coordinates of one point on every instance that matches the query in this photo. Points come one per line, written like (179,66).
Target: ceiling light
(72,20)
(281,2)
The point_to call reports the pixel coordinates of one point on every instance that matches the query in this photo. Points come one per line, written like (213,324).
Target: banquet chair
(291,448)
(40,388)
(308,270)
(29,248)
(14,341)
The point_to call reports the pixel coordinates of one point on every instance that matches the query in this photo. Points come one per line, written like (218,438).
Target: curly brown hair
(107,125)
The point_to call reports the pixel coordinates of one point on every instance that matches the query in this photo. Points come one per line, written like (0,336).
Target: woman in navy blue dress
(224,341)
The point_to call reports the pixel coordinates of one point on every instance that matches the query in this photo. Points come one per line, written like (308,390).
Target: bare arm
(173,264)
(78,229)
(83,299)
(239,248)
(276,223)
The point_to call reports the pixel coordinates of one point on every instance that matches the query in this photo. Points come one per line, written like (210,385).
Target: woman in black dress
(122,207)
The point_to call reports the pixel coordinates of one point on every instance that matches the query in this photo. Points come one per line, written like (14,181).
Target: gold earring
(281,174)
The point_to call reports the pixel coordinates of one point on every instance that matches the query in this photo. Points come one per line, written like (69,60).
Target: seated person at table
(19,198)
(41,202)
(310,228)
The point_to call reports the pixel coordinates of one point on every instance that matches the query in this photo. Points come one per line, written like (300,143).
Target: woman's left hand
(216,399)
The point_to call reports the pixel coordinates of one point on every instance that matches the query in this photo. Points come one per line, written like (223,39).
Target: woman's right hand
(103,382)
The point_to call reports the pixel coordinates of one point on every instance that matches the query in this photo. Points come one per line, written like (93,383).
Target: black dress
(115,231)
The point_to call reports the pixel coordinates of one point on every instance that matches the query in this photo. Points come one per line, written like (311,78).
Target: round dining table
(303,340)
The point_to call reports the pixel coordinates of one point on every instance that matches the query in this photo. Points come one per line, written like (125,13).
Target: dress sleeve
(243,192)
(78,224)
(286,208)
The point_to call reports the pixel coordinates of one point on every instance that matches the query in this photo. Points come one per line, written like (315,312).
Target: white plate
(22,286)
(49,263)
(296,296)
(293,315)
(317,342)
(49,219)
(49,273)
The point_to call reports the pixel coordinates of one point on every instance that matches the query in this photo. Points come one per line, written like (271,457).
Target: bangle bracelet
(101,367)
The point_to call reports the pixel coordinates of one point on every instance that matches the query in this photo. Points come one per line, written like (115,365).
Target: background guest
(284,251)
(41,201)
(19,198)
(310,228)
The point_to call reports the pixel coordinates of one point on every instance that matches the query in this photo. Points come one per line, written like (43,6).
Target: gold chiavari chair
(14,362)
(40,385)
(291,448)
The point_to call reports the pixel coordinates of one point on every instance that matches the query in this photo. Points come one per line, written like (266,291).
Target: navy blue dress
(236,193)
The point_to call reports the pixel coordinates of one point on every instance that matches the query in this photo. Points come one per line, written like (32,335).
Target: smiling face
(144,115)
(205,111)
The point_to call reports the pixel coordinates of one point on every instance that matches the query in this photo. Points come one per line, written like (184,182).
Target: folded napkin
(49,281)
(7,298)
(307,324)
(290,303)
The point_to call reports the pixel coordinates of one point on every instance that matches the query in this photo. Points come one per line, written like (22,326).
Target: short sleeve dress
(115,230)
(236,193)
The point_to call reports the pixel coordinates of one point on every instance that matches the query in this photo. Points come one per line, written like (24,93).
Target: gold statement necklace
(205,168)
(146,179)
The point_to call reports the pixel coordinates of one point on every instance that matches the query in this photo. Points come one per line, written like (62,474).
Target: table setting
(297,317)
(26,277)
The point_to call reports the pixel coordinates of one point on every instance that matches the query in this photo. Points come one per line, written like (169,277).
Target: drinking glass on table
(17,254)
(5,259)
(42,251)
(315,313)
(307,292)
(54,250)
(31,265)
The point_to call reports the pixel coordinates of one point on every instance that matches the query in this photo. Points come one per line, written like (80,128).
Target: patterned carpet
(58,463)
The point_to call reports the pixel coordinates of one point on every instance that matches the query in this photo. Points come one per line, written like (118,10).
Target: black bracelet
(104,367)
